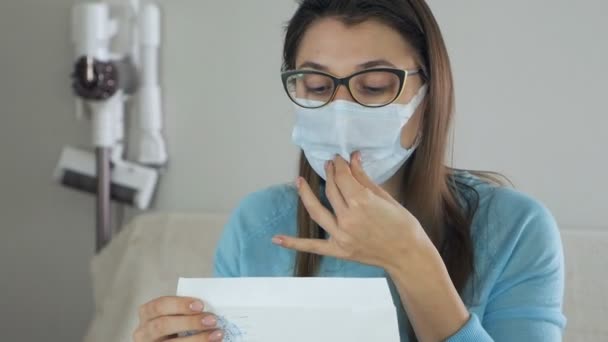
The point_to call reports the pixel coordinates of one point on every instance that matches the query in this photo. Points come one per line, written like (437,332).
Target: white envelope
(298,309)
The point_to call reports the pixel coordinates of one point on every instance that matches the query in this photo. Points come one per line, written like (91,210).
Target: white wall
(541,122)
(531,90)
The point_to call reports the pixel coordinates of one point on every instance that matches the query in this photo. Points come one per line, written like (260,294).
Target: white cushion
(586,297)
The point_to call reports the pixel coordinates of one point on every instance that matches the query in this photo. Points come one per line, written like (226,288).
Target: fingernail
(216,336)
(196,306)
(277,240)
(298,182)
(327,164)
(358,157)
(209,321)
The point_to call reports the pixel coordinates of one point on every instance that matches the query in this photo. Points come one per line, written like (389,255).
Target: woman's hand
(165,317)
(369,226)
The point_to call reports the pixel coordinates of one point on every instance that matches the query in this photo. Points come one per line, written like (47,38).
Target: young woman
(466,258)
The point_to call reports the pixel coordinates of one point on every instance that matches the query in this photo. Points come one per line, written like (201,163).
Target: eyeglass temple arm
(420,72)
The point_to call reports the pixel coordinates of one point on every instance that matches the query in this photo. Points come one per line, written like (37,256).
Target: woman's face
(330,46)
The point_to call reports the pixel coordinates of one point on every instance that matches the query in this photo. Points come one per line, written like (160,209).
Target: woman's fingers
(161,328)
(332,192)
(314,246)
(162,319)
(359,174)
(315,209)
(347,184)
(210,336)
(170,305)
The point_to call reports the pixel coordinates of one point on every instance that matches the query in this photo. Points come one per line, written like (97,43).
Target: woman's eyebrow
(366,65)
(313,65)
(376,63)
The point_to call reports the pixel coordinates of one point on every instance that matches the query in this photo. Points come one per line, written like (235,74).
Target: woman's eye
(374,90)
(318,90)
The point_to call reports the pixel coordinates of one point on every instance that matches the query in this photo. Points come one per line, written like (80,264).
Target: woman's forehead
(343,48)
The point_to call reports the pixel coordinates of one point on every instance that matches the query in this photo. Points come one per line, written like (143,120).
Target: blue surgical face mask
(344,127)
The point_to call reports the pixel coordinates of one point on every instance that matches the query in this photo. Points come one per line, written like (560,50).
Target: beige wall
(530,82)
(46,233)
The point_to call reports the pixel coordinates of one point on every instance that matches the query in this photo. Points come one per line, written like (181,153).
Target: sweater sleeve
(227,253)
(525,303)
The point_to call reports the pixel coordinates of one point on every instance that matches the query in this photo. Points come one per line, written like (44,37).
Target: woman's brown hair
(431,190)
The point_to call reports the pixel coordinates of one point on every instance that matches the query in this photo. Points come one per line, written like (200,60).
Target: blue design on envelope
(232,333)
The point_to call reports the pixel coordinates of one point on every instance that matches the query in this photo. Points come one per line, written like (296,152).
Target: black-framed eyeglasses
(374,88)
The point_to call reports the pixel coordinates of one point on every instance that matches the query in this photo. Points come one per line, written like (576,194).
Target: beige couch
(146,259)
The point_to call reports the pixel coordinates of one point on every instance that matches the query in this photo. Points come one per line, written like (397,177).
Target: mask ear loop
(420,96)
(417,141)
